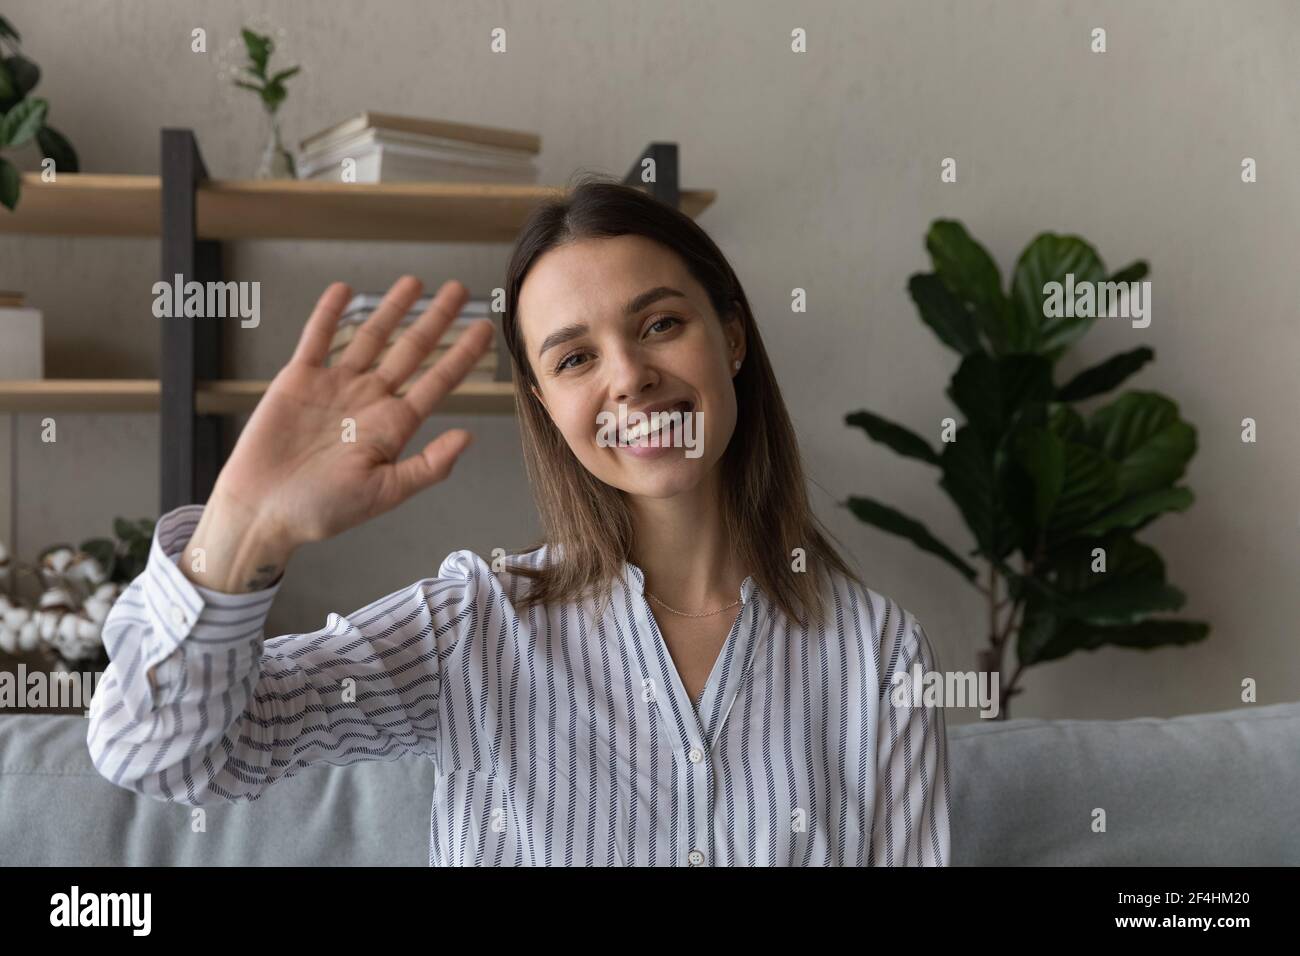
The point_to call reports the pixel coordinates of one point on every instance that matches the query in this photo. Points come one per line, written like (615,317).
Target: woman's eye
(564,362)
(665,318)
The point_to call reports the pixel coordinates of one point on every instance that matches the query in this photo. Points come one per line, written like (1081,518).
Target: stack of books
(383,148)
(488,368)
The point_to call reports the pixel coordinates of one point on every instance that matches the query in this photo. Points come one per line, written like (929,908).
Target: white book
(363,303)
(387,164)
(434,146)
(445,129)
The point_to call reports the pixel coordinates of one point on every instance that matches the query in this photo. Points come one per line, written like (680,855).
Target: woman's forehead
(568,285)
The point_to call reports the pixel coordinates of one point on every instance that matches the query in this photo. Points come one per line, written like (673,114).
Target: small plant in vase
(77,588)
(277,162)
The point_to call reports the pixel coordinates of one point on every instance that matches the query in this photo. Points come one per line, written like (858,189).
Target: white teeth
(647,427)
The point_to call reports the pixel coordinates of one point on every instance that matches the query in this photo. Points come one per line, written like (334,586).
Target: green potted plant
(277,161)
(1054,498)
(23,117)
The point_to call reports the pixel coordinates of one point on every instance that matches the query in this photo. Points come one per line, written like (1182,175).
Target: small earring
(736,365)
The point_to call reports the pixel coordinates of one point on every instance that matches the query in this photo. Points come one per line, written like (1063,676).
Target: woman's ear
(539,397)
(735,333)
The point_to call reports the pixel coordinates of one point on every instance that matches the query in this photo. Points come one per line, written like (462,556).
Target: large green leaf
(1133,513)
(21,123)
(1049,258)
(895,522)
(991,391)
(944,313)
(900,439)
(1089,487)
(1142,432)
(972,276)
(23,72)
(1133,272)
(8,90)
(1131,588)
(1026,476)
(1066,423)
(977,486)
(1068,604)
(10,184)
(7,30)
(54,145)
(1046,638)
(1042,454)
(1037,635)
(1102,378)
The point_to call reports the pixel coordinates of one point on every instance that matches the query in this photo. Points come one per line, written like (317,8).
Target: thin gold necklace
(684,614)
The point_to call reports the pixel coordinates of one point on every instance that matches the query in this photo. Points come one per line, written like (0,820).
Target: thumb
(433,464)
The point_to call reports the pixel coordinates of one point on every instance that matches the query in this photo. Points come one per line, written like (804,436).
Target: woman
(684,672)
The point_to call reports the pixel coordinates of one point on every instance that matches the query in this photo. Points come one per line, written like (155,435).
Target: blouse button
(696,857)
(696,755)
(178,615)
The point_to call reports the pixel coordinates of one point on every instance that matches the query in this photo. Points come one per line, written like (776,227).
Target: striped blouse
(557,738)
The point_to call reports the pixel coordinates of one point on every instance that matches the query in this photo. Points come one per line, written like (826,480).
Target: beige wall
(826,166)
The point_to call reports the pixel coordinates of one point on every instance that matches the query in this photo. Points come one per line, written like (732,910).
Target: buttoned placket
(678,712)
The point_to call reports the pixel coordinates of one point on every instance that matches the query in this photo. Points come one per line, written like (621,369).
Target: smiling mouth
(665,420)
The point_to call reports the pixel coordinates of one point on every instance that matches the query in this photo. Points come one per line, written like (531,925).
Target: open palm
(319,454)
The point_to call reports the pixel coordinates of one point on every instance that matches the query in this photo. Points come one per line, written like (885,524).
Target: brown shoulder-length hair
(765,504)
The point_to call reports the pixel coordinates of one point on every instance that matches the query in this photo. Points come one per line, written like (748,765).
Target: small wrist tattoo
(266,576)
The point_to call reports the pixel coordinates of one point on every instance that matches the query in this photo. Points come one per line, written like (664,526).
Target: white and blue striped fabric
(558,739)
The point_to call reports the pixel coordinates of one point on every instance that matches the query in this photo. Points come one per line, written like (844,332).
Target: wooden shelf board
(223,397)
(114,205)
(233,396)
(85,204)
(79,395)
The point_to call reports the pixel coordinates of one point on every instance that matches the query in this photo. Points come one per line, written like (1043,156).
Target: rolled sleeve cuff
(179,609)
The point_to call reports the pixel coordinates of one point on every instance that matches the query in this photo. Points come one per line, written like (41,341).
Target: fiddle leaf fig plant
(1054,498)
(22,118)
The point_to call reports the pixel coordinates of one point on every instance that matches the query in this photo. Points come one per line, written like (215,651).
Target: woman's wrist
(231,551)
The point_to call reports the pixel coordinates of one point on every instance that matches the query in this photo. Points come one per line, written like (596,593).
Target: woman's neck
(680,544)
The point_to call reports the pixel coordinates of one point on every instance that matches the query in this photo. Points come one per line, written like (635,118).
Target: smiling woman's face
(622,321)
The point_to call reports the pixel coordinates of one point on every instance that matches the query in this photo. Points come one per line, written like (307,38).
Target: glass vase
(277,162)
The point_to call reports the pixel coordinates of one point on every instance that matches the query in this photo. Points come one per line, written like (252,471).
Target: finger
(318,333)
(432,465)
(448,372)
(375,331)
(422,337)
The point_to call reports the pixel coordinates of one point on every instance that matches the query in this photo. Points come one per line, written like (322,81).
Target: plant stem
(993,605)
(991,659)
(1007,690)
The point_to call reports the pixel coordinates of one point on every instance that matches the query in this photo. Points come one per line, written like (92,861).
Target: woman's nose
(630,373)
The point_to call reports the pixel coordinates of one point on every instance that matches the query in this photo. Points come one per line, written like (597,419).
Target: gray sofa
(1213,789)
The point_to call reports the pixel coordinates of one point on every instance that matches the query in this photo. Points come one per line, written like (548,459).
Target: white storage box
(22,354)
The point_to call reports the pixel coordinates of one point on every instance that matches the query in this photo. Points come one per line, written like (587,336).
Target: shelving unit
(222,397)
(192,215)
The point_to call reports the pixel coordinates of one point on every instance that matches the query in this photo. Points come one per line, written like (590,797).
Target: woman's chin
(659,478)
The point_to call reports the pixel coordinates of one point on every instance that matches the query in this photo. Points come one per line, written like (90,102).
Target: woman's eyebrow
(647,298)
